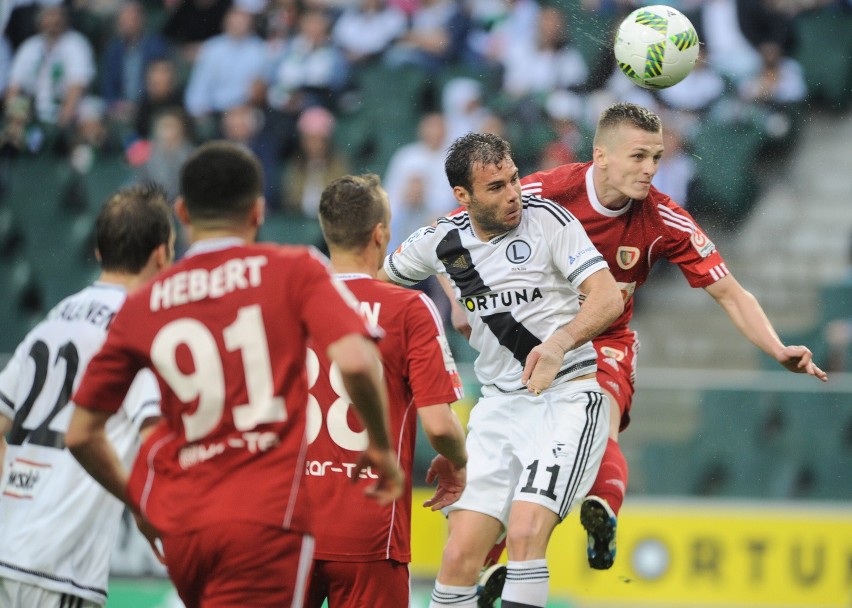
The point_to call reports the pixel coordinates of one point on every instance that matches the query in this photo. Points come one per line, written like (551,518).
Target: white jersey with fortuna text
(516,289)
(57,525)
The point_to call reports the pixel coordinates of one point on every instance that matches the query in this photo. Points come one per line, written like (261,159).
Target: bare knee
(529,531)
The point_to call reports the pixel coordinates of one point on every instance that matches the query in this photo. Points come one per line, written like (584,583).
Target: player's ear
(599,156)
(181,211)
(162,256)
(258,212)
(462,196)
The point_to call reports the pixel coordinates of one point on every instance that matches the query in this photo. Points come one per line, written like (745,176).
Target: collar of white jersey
(214,244)
(104,285)
(593,197)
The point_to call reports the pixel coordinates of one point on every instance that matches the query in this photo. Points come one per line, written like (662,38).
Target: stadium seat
(835,302)
(10,233)
(725,152)
(68,264)
(824,47)
(291,229)
(22,304)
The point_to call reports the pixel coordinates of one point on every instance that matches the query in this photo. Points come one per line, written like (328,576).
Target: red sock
(611,483)
(495,554)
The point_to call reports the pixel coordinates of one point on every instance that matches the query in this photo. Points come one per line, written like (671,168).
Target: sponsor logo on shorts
(611,362)
(615,388)
(25,478)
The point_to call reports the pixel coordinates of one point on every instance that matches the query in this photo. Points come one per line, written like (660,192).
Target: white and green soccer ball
(656,46)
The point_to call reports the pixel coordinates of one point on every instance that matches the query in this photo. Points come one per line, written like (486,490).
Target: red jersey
(633,238)
(419,371)
(225,332)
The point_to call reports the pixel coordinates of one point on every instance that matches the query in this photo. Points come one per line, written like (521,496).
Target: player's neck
(247,234)
(609,197)
(354,263)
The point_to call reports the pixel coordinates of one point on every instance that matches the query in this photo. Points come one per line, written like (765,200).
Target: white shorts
(545,449)
(15,594)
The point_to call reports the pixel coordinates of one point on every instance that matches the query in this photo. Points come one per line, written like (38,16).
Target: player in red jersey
(633,225)
(225,332)
(362,548)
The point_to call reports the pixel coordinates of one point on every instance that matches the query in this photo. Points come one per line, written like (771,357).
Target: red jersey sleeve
(687,245)
(112,370)
(431,369)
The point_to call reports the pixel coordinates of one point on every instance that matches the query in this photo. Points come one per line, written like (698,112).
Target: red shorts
(239,564)
(380,584)
(617,370)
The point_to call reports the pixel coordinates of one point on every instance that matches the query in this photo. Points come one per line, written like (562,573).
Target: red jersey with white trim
(419,371)
(633,238)
(225,332)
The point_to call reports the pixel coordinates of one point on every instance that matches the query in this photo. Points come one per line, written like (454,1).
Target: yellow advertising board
(694,553)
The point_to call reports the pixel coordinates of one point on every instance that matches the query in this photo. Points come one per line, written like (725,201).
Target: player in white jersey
(517,266)
(57,525)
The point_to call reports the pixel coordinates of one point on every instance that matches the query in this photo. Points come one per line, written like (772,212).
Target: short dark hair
(220,182)
(350,208)
(628,113)
(132,223)
(470,149)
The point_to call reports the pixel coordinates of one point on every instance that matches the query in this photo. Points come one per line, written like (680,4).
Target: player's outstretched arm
(749,318)
(360,366)
(449,467)
(602,307)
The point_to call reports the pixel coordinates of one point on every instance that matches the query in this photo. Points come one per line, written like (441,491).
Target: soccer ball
(656,46)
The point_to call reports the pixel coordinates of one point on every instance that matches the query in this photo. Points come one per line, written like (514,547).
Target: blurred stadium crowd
(100,93)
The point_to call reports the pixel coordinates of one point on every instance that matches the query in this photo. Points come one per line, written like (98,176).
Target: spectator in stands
(367,29)
(463,107)
(728,51)
(538,65)
(698,91)
(125,62)
(5,64)
(435,39)
(310,70)
(496,26)
(226,69)
(245,125)
(54,67)
(92,138)
(314,164)
(423,159)
(169,147)
(565,112)
(676,170)
(191,22)
(161,92)
(780,81)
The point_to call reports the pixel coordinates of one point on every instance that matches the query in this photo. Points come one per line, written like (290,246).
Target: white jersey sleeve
(575,255)
(415,259)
